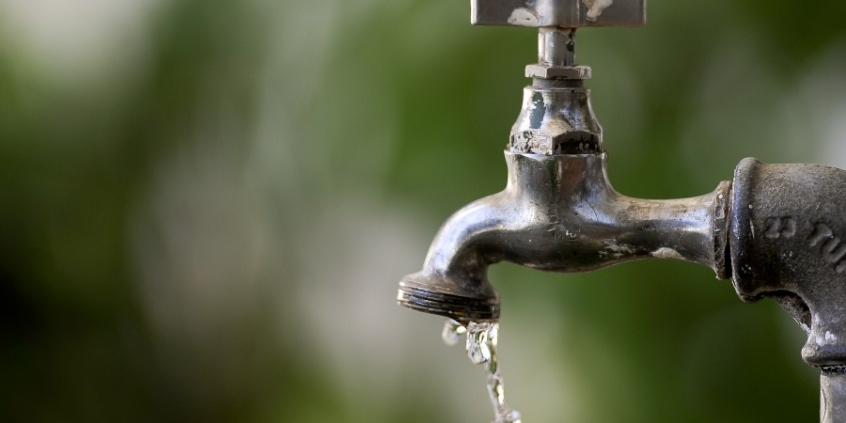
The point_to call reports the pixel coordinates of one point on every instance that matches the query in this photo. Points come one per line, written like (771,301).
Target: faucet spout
(559,213)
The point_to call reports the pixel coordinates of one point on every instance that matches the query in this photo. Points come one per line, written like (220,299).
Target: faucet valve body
(558,213)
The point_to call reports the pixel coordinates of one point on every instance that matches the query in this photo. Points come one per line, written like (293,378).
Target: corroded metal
(557,56)
(557,47)
(832,398)
(788,243)
(558,13)
(558,213)
(556,120)
(777,230)
(558,72)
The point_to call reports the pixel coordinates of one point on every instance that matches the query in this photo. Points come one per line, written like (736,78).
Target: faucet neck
(570,197)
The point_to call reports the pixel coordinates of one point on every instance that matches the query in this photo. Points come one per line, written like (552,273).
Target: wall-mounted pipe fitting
(788,242)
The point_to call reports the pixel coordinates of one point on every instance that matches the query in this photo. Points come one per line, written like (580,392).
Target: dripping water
(481,348)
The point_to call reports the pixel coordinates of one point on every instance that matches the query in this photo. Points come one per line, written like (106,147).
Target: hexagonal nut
(558,72)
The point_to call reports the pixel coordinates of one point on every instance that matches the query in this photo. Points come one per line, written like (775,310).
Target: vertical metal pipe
(833,398)
(557,46)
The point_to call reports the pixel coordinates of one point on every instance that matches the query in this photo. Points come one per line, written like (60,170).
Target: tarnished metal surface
(558,213)
(556,120)
(832,398)
(788,242)
(557,56)
(777,230)
(559,13)
(557,47)
(558,72)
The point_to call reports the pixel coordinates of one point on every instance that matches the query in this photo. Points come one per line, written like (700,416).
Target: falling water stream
(481,348)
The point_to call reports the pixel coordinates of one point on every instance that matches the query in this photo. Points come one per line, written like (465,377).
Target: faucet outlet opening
(463,301)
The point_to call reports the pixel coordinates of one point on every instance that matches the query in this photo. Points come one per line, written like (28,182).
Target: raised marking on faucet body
(832,249)
(780,227)
(821,232)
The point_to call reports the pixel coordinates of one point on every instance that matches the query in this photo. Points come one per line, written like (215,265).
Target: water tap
(773,229)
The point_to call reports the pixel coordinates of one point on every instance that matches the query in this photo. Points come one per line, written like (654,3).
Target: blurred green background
(206,206)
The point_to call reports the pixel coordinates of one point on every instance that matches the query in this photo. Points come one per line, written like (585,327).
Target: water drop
(452,332)
(481,344)
(479,341)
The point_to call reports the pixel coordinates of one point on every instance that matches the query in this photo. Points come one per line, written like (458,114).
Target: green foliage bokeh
(241,125)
